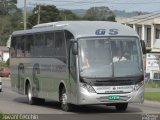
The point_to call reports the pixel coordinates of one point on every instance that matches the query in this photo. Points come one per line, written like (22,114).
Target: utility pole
(25,15)
(39,14)
(94,4)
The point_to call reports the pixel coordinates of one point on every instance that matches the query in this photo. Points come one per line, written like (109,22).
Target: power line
(89,3)
(144,18)
(149,18)
(100,2)
(68,3)
(64,4)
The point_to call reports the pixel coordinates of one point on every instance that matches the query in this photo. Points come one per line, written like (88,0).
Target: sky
(127,5)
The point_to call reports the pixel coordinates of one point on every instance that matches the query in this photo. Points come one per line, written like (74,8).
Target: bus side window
(28,45)
(60,45)
(39,45)
(13,47)
(20,46)
(50,47)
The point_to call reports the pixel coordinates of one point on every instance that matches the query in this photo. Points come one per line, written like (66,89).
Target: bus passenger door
(73,76)
(35,85)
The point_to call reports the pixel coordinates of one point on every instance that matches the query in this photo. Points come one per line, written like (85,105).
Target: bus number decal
(113,31)
(100,32)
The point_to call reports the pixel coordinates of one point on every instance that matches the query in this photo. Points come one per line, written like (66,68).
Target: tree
(5,29)
(10,18)
(16,19)
(48,13)
(7,6)
(100,14)
(68,15)
(111,18)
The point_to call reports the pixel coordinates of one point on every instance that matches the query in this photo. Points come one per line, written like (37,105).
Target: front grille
(114,92)
(114,83)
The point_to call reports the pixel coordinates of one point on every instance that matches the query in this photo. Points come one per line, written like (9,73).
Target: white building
(4,53)
(148,28)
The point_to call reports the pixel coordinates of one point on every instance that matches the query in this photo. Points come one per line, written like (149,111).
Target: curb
(4,78)
(151,102)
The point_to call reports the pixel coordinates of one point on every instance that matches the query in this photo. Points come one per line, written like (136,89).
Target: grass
(8,117)
(152,85)
(153,96)
(3,64)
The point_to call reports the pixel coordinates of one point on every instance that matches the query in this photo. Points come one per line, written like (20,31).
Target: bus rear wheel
(121,106)
(63,99)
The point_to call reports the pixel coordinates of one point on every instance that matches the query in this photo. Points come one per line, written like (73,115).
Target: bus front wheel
(63,99)
(121,106)
(31,100)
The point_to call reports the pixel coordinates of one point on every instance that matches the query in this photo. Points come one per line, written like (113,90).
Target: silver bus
(78,62)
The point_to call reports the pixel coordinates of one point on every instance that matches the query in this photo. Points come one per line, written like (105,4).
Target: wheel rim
(64,98)
(29,94)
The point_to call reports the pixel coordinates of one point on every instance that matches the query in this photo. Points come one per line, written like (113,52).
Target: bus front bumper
(86,98)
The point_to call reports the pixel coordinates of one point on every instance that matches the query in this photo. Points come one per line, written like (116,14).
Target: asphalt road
(13,103)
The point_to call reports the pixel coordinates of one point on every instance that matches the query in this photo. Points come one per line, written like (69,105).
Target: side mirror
(74,47)
(143,46)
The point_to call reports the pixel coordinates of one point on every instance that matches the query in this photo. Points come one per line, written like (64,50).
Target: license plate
(114,97)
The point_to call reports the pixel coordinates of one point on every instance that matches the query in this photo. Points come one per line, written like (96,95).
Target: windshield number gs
(113,31)
(103,31)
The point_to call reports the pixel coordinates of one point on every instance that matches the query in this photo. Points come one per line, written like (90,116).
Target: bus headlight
(88,87)
(138,85)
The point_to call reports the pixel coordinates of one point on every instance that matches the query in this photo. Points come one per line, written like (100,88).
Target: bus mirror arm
(143,46)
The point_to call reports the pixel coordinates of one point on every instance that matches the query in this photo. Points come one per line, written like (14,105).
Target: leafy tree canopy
(100,14)
(48,13)
(8,7)
(68,15)
(10,19)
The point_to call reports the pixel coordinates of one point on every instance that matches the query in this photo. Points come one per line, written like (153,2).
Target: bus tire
(40,101)
(121,106)
(63,100)
(31,99)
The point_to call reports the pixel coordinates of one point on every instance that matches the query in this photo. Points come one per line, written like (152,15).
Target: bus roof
(84,28)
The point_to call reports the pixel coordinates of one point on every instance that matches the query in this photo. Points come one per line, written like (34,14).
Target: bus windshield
(110,57)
